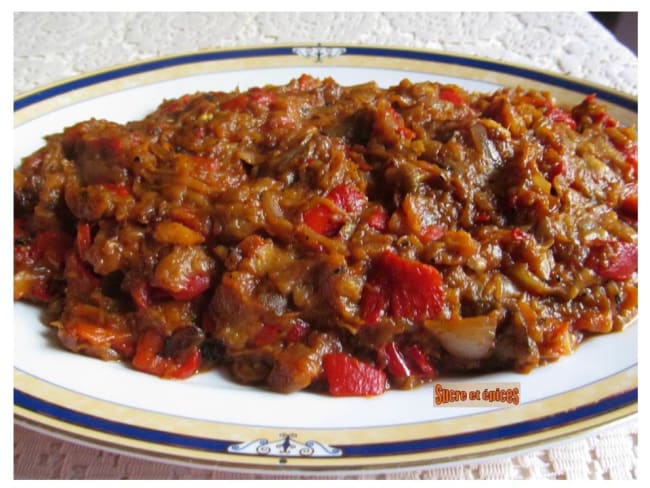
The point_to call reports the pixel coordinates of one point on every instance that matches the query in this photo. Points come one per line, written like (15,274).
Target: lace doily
(52,46)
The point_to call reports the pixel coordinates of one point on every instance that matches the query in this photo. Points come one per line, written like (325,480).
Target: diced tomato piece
(84,237)
(432,233)
(403,288)
(267,335)
(347,197)
(379,219)
(613,259)
(347,376)
(451,95)
(237,103)
(556,114)
(194,285)
(396,363)
(320,218)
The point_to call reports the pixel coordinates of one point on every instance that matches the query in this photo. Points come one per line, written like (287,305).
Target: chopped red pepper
(378,219)
(194,285)
(407,361)
(420,361)
(451,95)
(396,363)
(613,259)
(432,233)
(322,219)
(347,197)
(556,114)
(403,288)
(347,376)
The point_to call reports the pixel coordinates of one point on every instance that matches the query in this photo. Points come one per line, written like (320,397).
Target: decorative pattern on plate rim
(319,52)
(285,446)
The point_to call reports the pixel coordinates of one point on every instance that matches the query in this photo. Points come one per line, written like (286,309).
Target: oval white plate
(208,419)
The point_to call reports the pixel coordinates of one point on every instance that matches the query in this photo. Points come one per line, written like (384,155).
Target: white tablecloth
(52,46)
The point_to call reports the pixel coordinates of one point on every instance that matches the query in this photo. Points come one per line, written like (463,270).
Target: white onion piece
(467,338)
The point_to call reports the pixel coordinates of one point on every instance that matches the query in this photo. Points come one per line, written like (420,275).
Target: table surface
(51,46)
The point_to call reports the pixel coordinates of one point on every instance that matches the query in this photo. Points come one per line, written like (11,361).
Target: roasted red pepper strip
(415,356)
(347,376)
(613,259)
(396,363)
(403,288)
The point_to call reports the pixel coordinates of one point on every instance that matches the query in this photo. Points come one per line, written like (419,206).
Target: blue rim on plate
(520,71)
